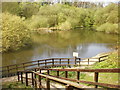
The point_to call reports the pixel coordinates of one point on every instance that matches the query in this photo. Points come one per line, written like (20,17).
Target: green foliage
(108,28)
(111,62)
(14,33)
(63,16)
(106,19)
(65,26)
(11,7)
(27,9)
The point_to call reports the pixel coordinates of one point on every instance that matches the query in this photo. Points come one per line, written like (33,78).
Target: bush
(108,28)
(65,26)
(38,22)
(14,33)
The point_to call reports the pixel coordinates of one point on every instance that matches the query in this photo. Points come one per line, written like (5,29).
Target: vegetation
(111,62)
(14,33)
(106,19)
(20,18)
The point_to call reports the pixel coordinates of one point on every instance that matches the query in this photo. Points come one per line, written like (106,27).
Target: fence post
(52,62)
(45,64)
(21,77)
(26,78)
(99,59)
(48,83)
(18,76)
(68,62)
(79,61)
(48,72)
(66,74)
(75,60)
(40,82)
(57,73)
(78,75)
(88,61)
(32,79)
(35,80)
(60,61)
(96,78)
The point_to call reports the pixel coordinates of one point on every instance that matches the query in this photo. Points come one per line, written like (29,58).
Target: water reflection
(63,44)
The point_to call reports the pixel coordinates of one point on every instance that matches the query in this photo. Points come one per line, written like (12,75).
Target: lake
(62,44)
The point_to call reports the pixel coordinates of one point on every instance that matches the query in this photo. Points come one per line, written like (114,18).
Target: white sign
(75,54)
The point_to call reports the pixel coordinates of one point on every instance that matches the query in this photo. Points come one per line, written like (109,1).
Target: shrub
(65,26)
(108,28)
(14,32)
(38,22)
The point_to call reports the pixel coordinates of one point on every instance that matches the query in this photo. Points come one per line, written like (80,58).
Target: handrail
(60,79)
(45,63)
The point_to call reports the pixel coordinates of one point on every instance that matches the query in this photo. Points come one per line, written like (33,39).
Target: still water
(63,44)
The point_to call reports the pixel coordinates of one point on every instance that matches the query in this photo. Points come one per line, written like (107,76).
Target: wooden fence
(36,78)
(11,70)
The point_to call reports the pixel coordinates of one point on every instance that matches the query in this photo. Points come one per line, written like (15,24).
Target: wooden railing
(36,77)
(45,63)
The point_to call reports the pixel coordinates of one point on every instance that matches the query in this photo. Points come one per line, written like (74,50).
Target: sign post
(75,55)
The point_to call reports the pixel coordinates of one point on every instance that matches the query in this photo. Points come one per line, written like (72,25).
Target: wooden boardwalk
(33,72)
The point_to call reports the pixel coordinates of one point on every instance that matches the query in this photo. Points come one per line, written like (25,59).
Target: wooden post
(40,70)
(78,75)
(66,74)
(75,60)
(68,62)
(96,78)
(21,77)
(48,72)
(60,61)
(35,80)
(79,61)
(45,63)
(68,87)
(88,61)
(32,79)
(40,82)
(18,76)
(48,83)
(57,73)
(26,78)
(99,59)
(52,62)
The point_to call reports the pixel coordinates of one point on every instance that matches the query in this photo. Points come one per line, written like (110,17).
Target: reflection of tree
(65,38)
